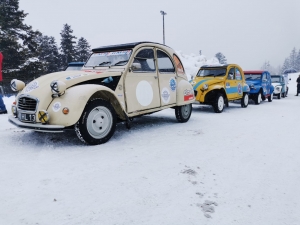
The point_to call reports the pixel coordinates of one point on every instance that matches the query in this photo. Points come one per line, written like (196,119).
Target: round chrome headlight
(58,87)
(205,87)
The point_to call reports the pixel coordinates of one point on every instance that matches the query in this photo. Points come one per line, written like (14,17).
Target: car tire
(270,98)
(279,96)
(245,100)
(257,98)
(183,113)
(219,103)
(97,123)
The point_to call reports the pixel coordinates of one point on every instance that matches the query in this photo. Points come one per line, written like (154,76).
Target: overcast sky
(247,32)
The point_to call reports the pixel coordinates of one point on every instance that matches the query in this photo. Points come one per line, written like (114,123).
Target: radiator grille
(27,104)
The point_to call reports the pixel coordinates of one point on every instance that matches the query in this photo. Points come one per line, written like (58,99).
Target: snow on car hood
(276,84)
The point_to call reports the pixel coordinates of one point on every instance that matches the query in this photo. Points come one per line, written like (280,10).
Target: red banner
(1,58)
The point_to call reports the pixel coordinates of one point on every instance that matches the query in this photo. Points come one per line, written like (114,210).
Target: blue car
(260,84)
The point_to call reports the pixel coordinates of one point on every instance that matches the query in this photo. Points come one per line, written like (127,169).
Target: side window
(231,74)
(164,63)
(145,58)
(264,76)
(238,75)
(179,66)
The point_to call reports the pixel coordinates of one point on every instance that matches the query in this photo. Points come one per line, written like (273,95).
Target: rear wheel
(257,98)
(270,98)
(97,123)
(245,100)
(183,113)
(218,103)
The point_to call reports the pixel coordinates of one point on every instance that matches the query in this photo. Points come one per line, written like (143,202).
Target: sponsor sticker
(31,86)
(114,53)
(239,88)
(165,95)
(188,95)
(172,84)
(74,77)
(56,107)
(227,85)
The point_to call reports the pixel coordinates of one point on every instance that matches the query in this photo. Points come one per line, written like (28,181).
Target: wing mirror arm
(135,66)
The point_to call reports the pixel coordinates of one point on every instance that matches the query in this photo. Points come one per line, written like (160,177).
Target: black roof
(122,46)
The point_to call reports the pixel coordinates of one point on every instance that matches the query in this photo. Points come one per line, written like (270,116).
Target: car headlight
(205,87)
(58,88)
(277,88)
(17,85)
(44,116)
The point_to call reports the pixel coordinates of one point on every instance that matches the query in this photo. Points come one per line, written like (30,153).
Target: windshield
(205,72)
(116,58)
(275,79)
(249,76)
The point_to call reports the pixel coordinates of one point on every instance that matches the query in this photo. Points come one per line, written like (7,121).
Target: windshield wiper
(123,61)
(104,63)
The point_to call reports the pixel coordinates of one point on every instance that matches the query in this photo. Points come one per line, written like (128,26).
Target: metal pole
(163,14)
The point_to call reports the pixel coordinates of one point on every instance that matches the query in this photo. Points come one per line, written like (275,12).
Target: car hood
(70,78)
(197,82)
(40,87)
(276,84)
(254,82)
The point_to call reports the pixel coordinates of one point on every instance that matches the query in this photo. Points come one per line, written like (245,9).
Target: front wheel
(245,100)
(279,96)
(97,123)
(218,103)
(183,113)
(257,99)
(270,98)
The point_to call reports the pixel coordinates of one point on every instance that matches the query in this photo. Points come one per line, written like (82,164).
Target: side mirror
(17,85)
(264,80)
(136,66)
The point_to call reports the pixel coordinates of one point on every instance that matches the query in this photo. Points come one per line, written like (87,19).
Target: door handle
(155,77)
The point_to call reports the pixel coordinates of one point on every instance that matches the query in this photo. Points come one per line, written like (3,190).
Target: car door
(239,83)
(141,82)
(231,84)
(167,78)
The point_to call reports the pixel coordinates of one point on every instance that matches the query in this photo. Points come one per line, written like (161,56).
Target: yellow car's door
(231,84)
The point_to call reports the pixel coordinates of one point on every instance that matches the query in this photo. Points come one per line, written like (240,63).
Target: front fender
(75,99)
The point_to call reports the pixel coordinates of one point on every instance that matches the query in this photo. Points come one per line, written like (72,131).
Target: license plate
(27,117)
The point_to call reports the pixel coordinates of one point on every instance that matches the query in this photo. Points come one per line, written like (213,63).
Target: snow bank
(193,62)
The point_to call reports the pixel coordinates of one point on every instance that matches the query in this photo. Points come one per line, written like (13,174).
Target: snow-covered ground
(238,167)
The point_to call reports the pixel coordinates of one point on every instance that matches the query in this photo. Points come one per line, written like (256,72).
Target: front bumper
(36,126)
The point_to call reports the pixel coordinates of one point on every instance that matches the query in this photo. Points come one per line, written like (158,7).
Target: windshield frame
(110,58)
(254,75)
(212,69)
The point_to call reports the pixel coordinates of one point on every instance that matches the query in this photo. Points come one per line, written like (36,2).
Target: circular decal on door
(165,95)
(144,93)
(173,84)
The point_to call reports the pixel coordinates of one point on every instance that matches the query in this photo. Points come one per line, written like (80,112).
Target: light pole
(163,13)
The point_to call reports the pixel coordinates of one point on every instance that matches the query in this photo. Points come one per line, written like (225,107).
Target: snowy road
(237,167)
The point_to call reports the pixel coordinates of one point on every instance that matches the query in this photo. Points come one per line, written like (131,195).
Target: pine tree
(83,50)
(293,59)
(286,65)
(222,59)
(298,61)
(48,54)
(17,40)
(67,45)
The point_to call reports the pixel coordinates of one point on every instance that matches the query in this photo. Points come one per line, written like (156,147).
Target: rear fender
(185,92)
